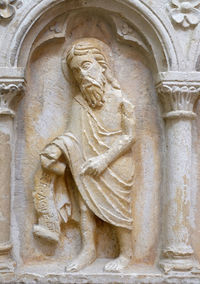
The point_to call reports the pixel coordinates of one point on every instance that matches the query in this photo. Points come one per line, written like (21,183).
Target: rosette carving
(185,13)
(7,8)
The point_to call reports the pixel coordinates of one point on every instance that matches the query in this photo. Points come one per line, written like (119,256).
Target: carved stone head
(90,69)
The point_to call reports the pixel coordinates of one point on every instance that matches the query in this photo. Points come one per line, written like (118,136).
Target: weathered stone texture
(152,50)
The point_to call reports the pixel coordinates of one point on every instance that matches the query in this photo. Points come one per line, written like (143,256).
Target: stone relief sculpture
(95,155)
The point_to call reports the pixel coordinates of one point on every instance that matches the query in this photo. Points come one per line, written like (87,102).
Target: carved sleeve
(125,141)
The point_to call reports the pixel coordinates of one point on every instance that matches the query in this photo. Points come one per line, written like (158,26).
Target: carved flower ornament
(6,8)
(185,13)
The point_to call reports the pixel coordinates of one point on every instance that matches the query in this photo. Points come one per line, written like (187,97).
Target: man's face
(84,67)
(89,75)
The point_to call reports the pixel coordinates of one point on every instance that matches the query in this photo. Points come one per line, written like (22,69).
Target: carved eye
(86,65)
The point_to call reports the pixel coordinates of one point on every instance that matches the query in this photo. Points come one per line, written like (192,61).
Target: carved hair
(86,47)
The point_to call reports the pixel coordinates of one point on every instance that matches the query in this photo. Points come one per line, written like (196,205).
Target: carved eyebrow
(77,68)
(87,61)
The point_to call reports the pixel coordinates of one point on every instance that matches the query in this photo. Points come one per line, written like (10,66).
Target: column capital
(178,98)
(12,88)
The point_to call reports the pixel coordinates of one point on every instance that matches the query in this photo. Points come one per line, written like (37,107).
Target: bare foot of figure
(117,264)
(86,257)
(125,257)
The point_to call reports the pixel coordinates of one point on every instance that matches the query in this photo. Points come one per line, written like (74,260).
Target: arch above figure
(133,23)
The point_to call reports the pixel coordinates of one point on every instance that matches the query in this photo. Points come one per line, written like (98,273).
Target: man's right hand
(94,166)
(50,156)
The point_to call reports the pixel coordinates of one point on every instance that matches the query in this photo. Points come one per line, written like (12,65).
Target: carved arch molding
(133,23)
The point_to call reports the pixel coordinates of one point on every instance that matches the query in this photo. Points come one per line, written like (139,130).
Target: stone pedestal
(178,101)
(8,94)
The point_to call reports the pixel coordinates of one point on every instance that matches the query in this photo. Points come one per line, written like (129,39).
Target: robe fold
(109,194)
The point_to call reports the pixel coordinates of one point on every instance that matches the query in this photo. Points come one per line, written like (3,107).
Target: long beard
(93,91)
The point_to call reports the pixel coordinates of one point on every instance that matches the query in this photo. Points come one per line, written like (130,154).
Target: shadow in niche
(88,24)
(47,248)
(106,240)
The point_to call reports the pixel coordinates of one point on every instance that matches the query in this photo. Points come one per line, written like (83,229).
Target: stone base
(44,272)
(176,265)
(101,279)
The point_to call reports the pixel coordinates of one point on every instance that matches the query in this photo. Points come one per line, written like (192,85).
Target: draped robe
(92,132)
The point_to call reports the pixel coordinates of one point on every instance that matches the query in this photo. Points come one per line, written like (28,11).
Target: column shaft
(178,185)
(10,92)
(177,253)
(6,129)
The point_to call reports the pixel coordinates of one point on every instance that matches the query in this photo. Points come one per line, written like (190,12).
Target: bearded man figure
(96,150)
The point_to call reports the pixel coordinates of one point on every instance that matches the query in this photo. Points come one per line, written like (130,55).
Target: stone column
(178,101)
(10,92)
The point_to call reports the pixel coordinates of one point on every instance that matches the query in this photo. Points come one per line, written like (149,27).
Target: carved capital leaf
(9,95)
(178,99)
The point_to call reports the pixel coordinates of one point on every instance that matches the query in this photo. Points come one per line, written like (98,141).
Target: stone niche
(37,93)
(43,115)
